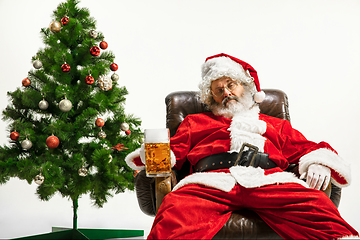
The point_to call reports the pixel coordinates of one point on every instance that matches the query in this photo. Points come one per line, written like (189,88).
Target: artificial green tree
(68,128)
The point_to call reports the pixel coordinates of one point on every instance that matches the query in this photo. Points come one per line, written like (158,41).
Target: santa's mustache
(226,99)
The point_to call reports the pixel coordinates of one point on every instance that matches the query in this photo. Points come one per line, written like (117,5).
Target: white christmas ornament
(124,126)
(39,179)
(104,83)
(65,105)
(43,104)
(26,144)
(37,64)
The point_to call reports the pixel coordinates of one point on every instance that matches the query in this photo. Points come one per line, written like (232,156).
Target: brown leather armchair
(243,224)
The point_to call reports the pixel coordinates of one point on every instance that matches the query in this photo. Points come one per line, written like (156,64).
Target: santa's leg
(296,212)
(193,212)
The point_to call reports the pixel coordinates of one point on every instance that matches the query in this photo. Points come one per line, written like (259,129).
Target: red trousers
(293,211)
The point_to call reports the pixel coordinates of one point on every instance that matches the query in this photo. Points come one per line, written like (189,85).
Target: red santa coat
(204,134)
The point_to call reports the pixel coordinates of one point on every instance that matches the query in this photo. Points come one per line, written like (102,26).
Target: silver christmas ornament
(65,105)
(83,172)
(104,83)
(114,77)
(37,64)
(43,104)
(39,179)
(102,134)
(124,126)
(93,34)
(26,144)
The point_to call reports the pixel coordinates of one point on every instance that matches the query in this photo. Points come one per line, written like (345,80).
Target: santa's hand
(317,176)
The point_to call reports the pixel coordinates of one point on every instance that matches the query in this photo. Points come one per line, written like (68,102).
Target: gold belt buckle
(255,148)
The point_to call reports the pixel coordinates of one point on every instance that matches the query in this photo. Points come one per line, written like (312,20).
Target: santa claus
(238,156)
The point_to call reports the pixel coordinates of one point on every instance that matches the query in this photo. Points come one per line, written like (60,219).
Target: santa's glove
(316,176)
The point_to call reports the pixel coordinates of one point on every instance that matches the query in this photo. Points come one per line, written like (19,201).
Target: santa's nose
(227,93)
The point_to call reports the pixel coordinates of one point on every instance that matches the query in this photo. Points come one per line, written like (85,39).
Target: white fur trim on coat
(248,177)
(329,159)
(247,128)
(219,180)
(130,158)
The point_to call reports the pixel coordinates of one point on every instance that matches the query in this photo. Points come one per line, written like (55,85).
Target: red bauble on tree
(52,141)
(26,82)
(14,136)
(64,20)
(95,51)
(128,132)
(65,67)
(103,45)
(100,122)
(89,80)
(114,67)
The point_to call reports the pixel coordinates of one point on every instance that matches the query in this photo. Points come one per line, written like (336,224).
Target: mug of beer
(157,152)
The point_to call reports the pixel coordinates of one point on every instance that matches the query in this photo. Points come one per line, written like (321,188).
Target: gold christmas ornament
(55,26)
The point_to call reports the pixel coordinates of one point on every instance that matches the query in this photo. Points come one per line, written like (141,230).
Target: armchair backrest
(182,103)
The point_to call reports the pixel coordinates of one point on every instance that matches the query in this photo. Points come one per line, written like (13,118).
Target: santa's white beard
(246,127)
(230,108)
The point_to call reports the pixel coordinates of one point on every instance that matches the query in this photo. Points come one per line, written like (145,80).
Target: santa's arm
(305,153)
(340,169)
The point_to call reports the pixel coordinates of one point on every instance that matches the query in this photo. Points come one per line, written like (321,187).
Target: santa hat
(223,65)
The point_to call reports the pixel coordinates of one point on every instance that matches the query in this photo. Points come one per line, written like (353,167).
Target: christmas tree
(67,124)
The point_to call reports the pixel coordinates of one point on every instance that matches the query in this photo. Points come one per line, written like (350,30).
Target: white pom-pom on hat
(259,96)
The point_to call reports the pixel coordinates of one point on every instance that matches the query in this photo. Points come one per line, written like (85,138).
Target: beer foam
(159,135)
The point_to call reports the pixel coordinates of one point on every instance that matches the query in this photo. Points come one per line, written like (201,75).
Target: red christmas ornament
(52,142)
(65,67)
(103,45)
(14,136)
(89,80)
(26,82)
(114,67)
(64,20)
(128,132)
(95,51)
(100,122)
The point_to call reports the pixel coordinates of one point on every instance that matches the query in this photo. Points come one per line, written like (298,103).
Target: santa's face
(225,91)
(229,99)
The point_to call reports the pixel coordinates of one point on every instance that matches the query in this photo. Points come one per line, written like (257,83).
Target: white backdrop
(308,48)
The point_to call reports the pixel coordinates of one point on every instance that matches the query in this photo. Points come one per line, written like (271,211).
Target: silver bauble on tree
(93,34)
(26,144)
(102,134)
(39,179)
(43,104)
(37,64)
(65,105)
(114,77)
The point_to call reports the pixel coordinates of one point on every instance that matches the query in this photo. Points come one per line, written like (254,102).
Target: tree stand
(75,233)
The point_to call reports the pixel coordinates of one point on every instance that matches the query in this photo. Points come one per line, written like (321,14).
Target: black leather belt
(250,157)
